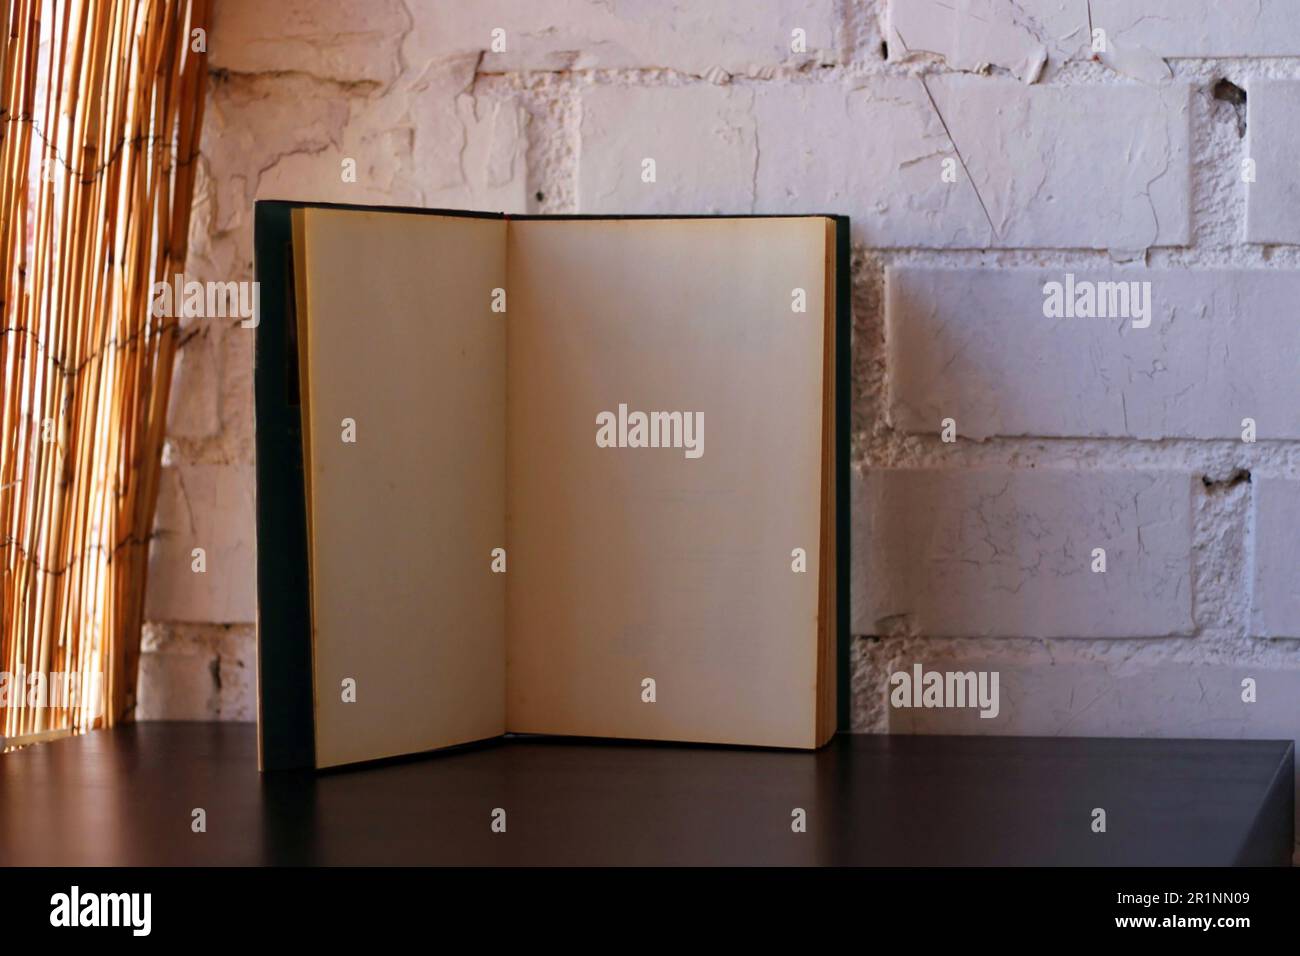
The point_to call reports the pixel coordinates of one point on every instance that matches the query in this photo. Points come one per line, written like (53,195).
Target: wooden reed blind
(102,103)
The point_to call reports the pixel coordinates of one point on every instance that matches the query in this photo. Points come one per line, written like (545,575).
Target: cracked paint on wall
(1028,153)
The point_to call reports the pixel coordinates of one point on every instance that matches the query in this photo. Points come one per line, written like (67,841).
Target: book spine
(286,732)
(843,495)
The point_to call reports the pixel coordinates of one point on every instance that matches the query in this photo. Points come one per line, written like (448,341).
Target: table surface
(127,796)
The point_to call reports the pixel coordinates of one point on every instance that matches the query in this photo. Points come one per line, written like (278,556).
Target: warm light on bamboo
(102,103)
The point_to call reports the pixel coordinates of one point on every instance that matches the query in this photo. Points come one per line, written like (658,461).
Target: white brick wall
(1072,433)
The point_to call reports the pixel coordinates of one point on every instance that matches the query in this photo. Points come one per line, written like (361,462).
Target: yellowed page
(402,341)
(629,564)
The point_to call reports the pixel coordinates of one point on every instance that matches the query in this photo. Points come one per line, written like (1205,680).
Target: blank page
(635,563)
(401,339)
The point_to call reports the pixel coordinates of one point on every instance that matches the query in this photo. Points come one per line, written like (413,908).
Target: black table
(127,796)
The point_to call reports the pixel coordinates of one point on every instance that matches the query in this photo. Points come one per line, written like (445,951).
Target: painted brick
(985,553)
(1275,572)
(1046,172)
(1273,142)
(973,34)
(195,410)
(209,507)
(437,144)
(1027,37)
(238,433)
(974,345)
(1052,176)
(702,141)
(1202,28)
(874,150)
(197,673)
(355,42)
(344,42)
(735,36)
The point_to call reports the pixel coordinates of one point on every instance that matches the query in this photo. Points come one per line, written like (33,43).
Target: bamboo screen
(102,103)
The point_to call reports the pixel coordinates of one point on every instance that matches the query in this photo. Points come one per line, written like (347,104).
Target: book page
(673,564)
(407,503)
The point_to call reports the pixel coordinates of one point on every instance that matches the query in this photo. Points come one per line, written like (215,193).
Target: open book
(548,475)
